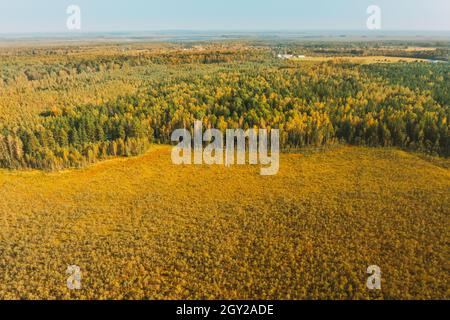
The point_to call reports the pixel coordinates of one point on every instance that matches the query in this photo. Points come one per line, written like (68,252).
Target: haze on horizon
(49,16)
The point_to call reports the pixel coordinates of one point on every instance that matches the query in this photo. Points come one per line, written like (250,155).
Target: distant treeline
(47,68)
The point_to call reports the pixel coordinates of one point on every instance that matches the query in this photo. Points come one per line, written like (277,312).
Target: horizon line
(80,32)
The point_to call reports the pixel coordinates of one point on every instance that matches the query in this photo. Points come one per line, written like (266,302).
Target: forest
(131,98)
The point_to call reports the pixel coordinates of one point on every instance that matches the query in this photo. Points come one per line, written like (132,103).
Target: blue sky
(19,16)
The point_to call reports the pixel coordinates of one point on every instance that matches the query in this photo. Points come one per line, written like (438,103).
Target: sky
(25,16)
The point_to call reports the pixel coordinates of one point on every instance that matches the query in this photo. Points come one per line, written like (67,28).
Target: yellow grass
(411,49)
(144,228)
(361,59)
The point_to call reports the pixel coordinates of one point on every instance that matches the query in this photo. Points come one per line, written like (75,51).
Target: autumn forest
(313,104)
(87,182)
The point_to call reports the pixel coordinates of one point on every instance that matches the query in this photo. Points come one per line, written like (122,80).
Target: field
(362,59)
(144,228)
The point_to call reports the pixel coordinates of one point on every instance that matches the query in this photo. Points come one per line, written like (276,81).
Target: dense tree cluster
(404,105)
(76,137)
